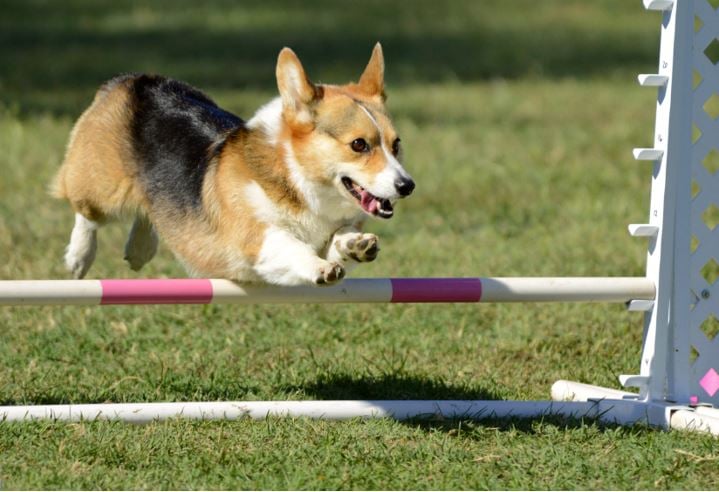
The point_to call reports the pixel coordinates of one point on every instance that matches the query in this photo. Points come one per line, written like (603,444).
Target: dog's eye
(359,145)
(395,146)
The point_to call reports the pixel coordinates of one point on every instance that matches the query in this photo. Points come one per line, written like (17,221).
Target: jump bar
(141,413)
(361,290)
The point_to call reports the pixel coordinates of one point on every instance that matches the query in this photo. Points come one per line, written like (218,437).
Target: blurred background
(54,54)
(517,117)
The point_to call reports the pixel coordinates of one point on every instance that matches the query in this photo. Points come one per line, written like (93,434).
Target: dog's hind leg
(141,244)
(80,253)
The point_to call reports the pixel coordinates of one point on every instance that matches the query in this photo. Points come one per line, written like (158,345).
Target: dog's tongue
(369,202)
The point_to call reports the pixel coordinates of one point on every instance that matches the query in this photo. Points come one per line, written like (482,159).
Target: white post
(679,377)
(696,367)
(680,359)
(669,245)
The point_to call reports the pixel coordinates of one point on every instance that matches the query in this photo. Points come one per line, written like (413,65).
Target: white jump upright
(678,380)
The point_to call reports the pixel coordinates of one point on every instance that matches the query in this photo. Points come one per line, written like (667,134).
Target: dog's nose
(404,186)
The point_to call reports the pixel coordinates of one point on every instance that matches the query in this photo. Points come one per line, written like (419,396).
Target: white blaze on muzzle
(384,182)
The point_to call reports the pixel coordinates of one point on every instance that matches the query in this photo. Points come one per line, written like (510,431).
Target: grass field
(518,120)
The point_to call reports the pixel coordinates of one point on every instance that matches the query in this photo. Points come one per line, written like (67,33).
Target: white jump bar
(380,290)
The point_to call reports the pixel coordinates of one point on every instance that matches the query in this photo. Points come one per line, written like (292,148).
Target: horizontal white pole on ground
(328,409)
(380,290)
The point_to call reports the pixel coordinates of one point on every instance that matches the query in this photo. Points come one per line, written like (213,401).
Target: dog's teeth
(385,209)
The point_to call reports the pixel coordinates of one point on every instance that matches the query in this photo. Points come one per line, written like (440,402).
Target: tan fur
(372,80)
(247,157)
(337,114)
(97,175)
(99,178)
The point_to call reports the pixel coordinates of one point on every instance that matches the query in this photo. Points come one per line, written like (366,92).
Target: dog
(279,199)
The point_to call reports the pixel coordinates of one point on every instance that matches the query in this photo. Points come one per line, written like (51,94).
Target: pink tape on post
(156,291)
(436,289)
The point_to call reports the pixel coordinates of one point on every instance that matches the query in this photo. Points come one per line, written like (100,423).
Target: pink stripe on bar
(156,291)
(436,289)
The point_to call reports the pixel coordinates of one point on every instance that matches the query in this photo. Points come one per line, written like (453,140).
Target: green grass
(518,121)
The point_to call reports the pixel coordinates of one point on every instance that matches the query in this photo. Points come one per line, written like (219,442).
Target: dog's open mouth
(380,207)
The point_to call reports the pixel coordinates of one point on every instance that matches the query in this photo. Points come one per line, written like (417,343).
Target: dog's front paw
(330,273)
(360,247)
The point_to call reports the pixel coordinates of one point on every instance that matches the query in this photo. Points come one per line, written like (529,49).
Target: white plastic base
(626,408)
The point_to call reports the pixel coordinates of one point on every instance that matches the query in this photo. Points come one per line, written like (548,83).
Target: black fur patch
(174,130)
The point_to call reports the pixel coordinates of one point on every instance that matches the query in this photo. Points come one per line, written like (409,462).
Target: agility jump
(678,377)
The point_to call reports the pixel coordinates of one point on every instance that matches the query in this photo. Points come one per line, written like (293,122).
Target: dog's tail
(57,188)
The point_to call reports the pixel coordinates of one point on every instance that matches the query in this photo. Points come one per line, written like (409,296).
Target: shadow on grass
(55,54)
(526,425)
(346,387)
(389,387)
(406,387)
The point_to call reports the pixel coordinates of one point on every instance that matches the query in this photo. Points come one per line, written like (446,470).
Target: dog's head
(342,134)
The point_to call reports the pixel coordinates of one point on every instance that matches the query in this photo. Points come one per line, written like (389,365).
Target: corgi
(280,198)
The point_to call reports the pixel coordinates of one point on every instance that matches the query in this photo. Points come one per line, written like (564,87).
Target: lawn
(517,118)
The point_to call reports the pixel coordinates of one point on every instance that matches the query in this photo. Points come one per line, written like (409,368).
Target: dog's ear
(372,80)
(296,90)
